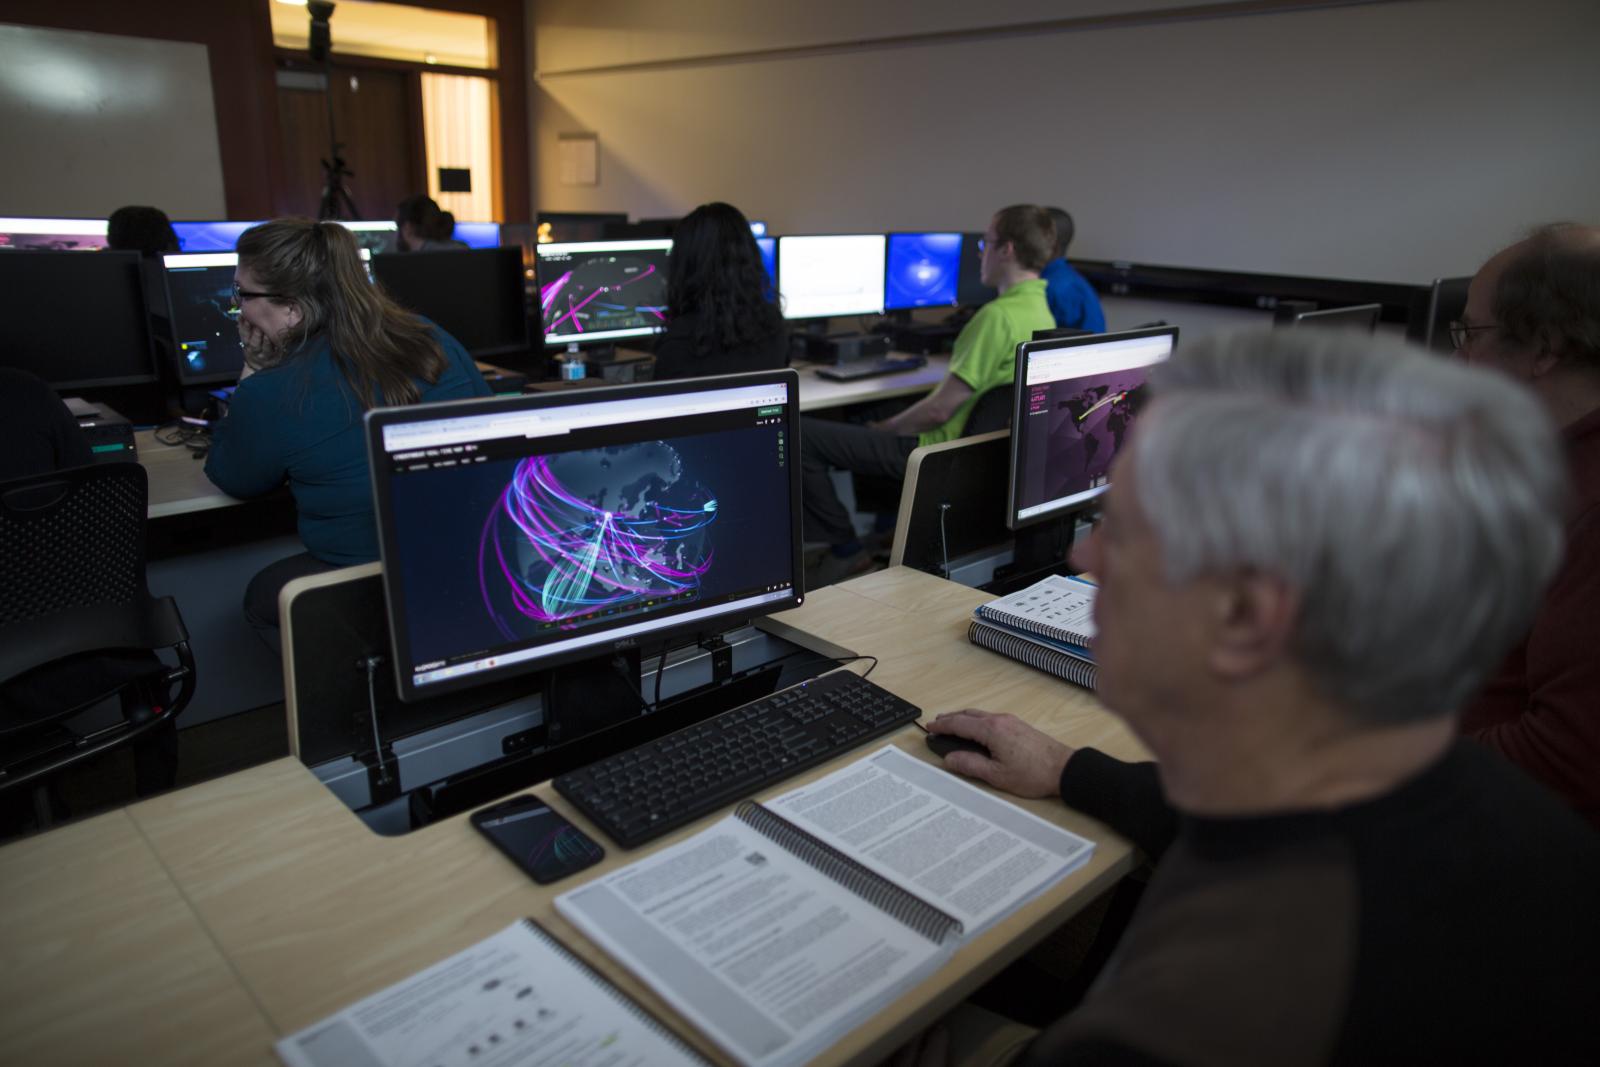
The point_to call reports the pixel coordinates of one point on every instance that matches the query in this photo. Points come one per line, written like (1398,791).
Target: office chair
(992,411)
(78,624)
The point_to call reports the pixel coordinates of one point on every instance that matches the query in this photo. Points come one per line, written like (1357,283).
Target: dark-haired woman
(721,318)
(322,345)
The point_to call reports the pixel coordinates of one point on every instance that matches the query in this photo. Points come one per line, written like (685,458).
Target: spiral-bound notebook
(1048,626)
(1035,653)
(508,1000)
(784,926)
(1056,608)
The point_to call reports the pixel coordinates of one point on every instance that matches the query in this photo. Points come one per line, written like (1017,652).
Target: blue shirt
(1072,299)
(299,422)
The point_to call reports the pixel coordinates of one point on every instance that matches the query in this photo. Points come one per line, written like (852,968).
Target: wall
(72,105)
(243,116)
(1390,141)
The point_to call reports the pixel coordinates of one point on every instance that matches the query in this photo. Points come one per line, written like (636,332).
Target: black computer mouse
(944,744)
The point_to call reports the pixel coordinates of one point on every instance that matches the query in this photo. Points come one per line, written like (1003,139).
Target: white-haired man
(1312,552)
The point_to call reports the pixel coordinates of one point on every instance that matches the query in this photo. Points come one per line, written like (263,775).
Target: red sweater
(1541,710)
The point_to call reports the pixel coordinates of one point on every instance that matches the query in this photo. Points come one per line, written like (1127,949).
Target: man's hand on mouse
(1021,760)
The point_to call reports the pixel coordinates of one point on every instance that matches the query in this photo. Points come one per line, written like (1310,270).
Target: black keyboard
(642,793)
(870,368)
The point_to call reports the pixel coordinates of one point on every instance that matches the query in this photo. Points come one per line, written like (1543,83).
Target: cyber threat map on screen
(602,530)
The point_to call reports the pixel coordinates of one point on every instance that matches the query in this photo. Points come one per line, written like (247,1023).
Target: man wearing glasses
(1533,313)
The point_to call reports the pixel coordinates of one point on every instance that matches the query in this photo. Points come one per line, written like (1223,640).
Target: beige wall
(1387,141)
(90,122)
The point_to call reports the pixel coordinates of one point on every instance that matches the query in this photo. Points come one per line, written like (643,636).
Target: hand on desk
(1021,760)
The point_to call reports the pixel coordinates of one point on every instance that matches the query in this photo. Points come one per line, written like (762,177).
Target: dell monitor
(923,270)
(603,291)
(1363,317)
(561,532)
(970,290)
(209,236)
(835,274)
(475,295)
(76,321)
(1076,401)
(205,324)
(478,234)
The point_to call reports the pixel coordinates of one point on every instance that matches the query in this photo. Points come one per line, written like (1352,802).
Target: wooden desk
(178,482)
(817,394)
(257,903)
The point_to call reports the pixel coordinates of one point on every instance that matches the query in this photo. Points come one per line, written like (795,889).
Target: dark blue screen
(922,270)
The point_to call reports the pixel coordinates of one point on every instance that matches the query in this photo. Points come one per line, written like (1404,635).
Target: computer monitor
(768,247)
(1363,317)
(568,227)
(923,270)
(970,290)
(600,291)
(475,295)
(76,321)
(832,274)
(478,234)
(527,533)
(1447,302)
(210,236)
(1076,401)
(53,235)
(375,237)
(205,325)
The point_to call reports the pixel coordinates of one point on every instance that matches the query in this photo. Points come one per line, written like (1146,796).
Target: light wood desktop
(178,482)
(197,926)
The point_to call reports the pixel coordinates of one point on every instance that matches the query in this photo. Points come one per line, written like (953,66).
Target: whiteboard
(90,122)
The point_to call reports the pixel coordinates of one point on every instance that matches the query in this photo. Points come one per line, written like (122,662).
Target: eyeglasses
(1460,332)
(241,295)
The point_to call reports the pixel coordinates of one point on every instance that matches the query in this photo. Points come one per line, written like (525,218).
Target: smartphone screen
(537,839)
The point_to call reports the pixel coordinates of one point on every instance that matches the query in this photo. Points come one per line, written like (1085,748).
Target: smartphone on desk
(537,839)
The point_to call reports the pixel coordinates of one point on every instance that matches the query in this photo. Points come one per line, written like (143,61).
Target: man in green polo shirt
(1018,243)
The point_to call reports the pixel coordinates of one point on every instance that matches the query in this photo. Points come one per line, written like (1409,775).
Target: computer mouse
(944,744)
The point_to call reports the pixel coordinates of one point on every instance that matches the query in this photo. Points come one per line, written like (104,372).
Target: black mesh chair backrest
(72,539)
(991,412)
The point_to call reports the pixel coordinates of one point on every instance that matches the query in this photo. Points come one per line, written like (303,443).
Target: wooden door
(378,125)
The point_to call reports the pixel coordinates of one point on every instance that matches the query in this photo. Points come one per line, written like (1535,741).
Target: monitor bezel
(1019,405)
(961,246)
(185,378)
(400,652)
(1372,315)
(882,282)
(642,244)
(152,374)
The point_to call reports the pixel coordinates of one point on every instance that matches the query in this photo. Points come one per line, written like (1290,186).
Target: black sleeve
(675,351)
(1125,796)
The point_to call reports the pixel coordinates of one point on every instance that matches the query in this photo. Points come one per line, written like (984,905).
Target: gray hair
(1413,502)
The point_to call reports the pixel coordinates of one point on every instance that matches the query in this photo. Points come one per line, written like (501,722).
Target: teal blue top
(299,422)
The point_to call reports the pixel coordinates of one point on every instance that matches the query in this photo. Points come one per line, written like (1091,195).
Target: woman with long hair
(722,317)
(322,345)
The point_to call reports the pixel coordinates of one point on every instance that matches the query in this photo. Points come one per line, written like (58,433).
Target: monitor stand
(1039,551)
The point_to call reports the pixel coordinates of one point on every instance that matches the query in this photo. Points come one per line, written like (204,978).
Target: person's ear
(294,315)
(1254,620)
